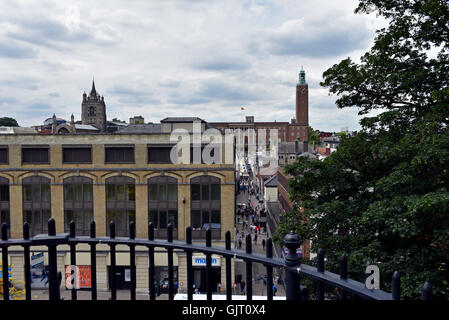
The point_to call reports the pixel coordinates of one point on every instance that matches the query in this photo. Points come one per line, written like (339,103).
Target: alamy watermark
(372,280)
(211,146)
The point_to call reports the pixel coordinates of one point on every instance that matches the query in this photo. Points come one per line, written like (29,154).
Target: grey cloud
(128,95)
(214,89)
(315,40)
(15,50)
(221,63)
(20,82)
(56,35)
(7,100)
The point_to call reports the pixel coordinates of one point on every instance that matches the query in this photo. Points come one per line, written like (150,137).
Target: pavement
(259,271)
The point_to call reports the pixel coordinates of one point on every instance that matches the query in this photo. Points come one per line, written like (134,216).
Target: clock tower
(302,100)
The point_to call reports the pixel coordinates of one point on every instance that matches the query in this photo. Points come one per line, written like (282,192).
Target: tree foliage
(8,122)
(383,196)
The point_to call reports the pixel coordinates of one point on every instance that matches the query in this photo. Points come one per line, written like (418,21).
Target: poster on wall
(39,271)
(83,277)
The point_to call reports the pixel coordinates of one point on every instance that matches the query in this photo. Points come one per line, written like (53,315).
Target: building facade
(119,177)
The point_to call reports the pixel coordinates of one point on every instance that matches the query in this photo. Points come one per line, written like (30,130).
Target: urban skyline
(215,59)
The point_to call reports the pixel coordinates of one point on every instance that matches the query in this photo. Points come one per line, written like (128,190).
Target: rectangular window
(28,192)
(153,218)
(153,192)
(130,192)
(215,218)
(120,192)
(87,192)
(4,155)
(4,192)
(68,192)
(76,155)
(173,218)
(110,192)
(162,219)
(45,189)
(172,192)
(35,155)
(196,191)
(119,154)
(205,192)
(162,192)
(195,219)
(215,191)
(205,219)
(159,154)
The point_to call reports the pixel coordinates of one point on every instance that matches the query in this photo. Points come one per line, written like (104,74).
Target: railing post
(5,262)
(189,265)
(132,260)
(171,289)
(73,273)
(427,291)
(343,274)
(320,268)
(113,269)
(208,265)
(27,264)
(151,286)
(228,267)
(292,260)
(269,255)
(249,269)
(93,262)
(52,264)
(396,286)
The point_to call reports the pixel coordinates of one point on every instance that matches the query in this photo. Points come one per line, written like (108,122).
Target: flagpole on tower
(242,108)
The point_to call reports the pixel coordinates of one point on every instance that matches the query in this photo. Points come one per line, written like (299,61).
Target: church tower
(93,109)
(302,100)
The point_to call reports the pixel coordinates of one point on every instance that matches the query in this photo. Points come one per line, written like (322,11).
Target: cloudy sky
(177,58)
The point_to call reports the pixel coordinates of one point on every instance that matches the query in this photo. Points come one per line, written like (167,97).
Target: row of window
(83,154)
(120,202)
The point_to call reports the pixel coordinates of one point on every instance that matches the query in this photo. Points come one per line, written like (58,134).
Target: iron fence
(291,263)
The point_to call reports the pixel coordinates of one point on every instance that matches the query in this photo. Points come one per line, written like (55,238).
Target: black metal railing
(291,263)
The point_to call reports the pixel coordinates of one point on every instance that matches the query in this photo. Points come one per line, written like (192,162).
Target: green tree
(8,122)
(313,136)
(383,196)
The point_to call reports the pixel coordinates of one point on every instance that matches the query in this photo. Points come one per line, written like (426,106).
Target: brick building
(296,129)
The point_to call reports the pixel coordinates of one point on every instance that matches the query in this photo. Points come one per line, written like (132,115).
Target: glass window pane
(172,192)
(153,192)
(215,192)
(153,218)
(68,192)
(79,220)
(28,218)
(88,218)
(110,216)
(110,192)
(36,192)
(215,217)
(120,192)
(46,215)
(173,218)
(205,217)
(45,192)
(78,192)
(4,192)
(131,192)
(68,216)
(162,192)
(205,192)
(88,192)
(195,190)
(163,219)
(28,192)
(131,216)
(195,219)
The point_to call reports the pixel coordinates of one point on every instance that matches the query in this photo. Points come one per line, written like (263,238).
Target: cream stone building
(118,177)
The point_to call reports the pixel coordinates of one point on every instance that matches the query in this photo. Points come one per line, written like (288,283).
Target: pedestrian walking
(263,244)
(275,289)
(242,287)
(255,238)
